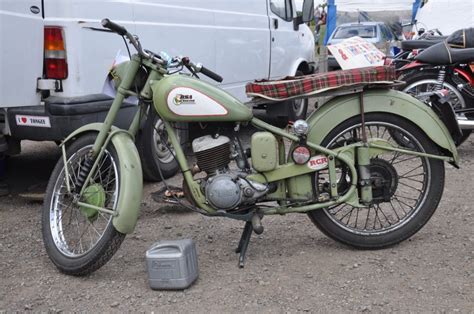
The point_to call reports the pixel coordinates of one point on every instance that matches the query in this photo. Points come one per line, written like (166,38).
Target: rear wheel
(406,188)
(424,81)
(79,240)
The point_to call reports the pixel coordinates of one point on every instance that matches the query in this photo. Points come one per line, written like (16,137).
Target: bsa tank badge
(185,101)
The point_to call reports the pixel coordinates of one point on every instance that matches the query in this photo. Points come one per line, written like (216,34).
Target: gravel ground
(291,267)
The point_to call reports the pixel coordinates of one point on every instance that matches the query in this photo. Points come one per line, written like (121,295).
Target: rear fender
(413,65)
(465,75)
(131,181)
(339,109)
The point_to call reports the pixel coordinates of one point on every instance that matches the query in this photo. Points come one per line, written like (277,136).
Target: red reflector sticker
(318,162)
(35,121)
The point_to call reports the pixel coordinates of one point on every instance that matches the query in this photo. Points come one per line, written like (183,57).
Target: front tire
(409,192)
(79,241)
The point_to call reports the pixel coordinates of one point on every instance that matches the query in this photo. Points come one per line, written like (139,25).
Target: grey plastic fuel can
(172,264)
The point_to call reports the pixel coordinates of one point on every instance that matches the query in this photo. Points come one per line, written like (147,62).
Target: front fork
(103,136)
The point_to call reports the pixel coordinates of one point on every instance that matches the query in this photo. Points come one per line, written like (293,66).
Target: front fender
(339,109)
(131,181)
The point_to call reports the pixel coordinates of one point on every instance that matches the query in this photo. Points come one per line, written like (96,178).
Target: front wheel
(77,239)
(406,189)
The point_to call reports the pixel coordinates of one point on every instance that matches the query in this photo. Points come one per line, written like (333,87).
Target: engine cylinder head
(212,153)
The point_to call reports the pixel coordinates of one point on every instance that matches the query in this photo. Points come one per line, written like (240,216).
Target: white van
(54,54)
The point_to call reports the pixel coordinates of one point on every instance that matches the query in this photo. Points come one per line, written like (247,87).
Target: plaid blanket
(317,83)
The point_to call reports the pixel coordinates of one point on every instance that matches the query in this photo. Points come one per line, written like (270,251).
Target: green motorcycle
(366,167)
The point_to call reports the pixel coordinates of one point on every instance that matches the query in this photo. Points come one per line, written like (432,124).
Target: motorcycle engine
(224,189)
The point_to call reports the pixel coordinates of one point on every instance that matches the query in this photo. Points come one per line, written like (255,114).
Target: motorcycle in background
(445,65)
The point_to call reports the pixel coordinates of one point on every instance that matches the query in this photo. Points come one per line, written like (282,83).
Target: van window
(282,8)
(364,31)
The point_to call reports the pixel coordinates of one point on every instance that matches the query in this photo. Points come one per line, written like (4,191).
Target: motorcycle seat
(313,84)
(419,44)
(442,54)
(61,106)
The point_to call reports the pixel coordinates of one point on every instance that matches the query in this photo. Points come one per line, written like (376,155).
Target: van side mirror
(306,16)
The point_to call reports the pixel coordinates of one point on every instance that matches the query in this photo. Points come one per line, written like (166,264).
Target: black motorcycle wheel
(153,147)
(424,81)
(79,244)
(414,186)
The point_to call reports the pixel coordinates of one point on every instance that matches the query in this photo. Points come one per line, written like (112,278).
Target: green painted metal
(131,180)
(300,187)
(264,148)
(125,84)
(97,208)
(289,170)
(363,162)
(131,183)
(333,177)
(93,195)
(193,186)
(339,109)
(236,111)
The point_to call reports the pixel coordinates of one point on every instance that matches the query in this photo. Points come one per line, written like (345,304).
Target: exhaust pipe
(465,124)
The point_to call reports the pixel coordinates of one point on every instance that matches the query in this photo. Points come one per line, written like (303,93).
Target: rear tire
(406,212)
(78,245)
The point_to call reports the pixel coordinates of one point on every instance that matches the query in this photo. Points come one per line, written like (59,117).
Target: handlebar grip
(216,77)
(114,27)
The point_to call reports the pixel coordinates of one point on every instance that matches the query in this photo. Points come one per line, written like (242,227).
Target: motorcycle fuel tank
(184,98)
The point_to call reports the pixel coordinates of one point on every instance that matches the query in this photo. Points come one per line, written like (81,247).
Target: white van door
(21,52)
(285,41)
(179,28)
(242,43)
(229,37)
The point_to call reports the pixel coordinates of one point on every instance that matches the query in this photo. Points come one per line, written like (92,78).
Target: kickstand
(244,243)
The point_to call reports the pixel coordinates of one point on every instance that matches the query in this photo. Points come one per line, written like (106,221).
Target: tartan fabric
(317,83)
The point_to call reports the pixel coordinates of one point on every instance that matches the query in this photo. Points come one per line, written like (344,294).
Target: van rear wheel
(289,110)
(154,148)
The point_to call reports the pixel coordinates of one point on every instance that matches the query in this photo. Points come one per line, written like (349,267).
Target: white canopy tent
(373,5)
(446,15)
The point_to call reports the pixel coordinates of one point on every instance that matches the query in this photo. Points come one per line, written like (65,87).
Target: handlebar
(122,31)
(216,77)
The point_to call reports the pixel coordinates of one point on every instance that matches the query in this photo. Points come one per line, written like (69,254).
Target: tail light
(55,62)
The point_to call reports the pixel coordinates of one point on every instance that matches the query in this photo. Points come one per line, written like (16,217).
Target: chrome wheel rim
(457,101)
(413,178)
(161,143)
(73,234)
